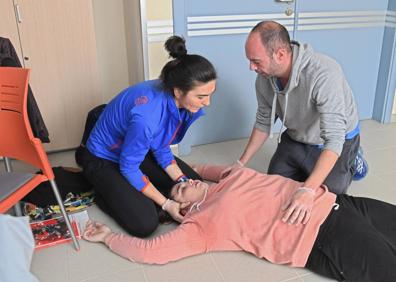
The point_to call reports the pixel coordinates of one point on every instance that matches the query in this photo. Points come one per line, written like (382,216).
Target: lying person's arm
(184,241)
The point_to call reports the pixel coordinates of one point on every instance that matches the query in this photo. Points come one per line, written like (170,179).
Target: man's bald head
(273,36)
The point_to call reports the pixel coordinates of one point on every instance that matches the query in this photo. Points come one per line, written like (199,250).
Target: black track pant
(296,160)
(357,242)
(135,212)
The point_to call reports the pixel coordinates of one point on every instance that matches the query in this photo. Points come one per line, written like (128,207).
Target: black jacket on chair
(9,58)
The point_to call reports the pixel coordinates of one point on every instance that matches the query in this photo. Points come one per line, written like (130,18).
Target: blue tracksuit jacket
(143,117)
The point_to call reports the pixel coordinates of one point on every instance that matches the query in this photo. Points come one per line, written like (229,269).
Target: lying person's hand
(298,209)
(174,209)
(96,232)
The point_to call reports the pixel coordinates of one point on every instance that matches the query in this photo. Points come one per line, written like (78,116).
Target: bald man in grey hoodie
(308,92)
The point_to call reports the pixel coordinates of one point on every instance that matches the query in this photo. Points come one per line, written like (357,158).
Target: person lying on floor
(341,237)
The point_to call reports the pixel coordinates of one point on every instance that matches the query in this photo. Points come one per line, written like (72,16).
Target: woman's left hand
(96,232)
(174,209)
(298,209)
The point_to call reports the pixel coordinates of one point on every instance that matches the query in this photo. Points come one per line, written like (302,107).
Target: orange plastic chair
(17,142)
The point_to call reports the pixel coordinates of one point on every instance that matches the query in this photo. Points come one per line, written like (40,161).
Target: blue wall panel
(341,5)
(352,33)
(387,73)
(358,51)
(233,106)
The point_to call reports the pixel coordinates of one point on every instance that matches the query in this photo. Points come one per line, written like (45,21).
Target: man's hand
(298,208)
(174,209)
(231,169)
(96,232)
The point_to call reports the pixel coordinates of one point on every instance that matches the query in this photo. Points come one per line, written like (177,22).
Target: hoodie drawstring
(273,111)
(283,120)
(196,204)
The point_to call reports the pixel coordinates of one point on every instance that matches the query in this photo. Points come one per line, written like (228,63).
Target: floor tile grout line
(110,273)
(143,270)
(301,276)
(305,274)
(292,278)
(217,268)
(371,150)
(68,265)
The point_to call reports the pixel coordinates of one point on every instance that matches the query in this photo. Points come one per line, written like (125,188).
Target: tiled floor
(95,263)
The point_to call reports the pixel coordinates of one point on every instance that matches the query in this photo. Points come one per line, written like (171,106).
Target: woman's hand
(96,232)
(174,209)
(298,209)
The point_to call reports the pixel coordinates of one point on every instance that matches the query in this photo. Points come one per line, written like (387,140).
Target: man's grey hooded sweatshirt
(317,104)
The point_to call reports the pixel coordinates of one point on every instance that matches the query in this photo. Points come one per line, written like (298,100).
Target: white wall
(134,41)
(157,13)
(117,40)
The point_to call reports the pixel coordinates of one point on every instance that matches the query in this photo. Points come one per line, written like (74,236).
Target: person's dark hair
(273,36)
(185,71)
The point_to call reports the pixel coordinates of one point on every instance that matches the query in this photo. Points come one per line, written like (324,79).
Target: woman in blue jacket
(128,158)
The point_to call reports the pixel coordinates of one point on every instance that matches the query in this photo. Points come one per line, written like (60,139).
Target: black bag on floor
(66,180)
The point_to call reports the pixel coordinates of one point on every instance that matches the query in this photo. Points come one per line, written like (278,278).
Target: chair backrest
(17,140)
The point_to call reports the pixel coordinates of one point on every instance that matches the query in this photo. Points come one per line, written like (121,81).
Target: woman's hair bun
(176,46)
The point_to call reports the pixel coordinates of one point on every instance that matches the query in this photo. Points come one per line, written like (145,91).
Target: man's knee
(282,168)
(338,185)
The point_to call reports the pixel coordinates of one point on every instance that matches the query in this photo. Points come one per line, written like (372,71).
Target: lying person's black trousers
(357,242)
(135,212)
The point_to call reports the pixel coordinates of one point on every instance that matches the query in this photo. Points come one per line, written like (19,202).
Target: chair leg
(8,168)
(66,217)
(8,165)
(18,209)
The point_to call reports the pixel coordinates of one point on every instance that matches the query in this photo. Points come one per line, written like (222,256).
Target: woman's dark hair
(184,71)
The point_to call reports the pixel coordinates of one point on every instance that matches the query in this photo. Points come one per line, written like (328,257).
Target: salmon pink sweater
(242,212)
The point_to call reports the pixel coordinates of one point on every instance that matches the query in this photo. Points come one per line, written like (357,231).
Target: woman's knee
(141,226)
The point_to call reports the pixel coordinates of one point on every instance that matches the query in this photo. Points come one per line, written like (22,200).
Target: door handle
(285,1)
(289,12)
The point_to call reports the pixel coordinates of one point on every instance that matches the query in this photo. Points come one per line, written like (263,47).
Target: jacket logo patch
(141,100)
(116,145)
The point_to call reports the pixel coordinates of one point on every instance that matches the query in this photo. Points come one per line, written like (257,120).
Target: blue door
(219,34)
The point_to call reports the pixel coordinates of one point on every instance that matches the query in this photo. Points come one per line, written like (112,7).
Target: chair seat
(12,181)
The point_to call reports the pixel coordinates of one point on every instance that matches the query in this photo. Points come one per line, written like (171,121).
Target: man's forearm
(322,169)
(256,140)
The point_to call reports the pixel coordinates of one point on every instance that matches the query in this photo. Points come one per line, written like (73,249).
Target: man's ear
(280,55)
